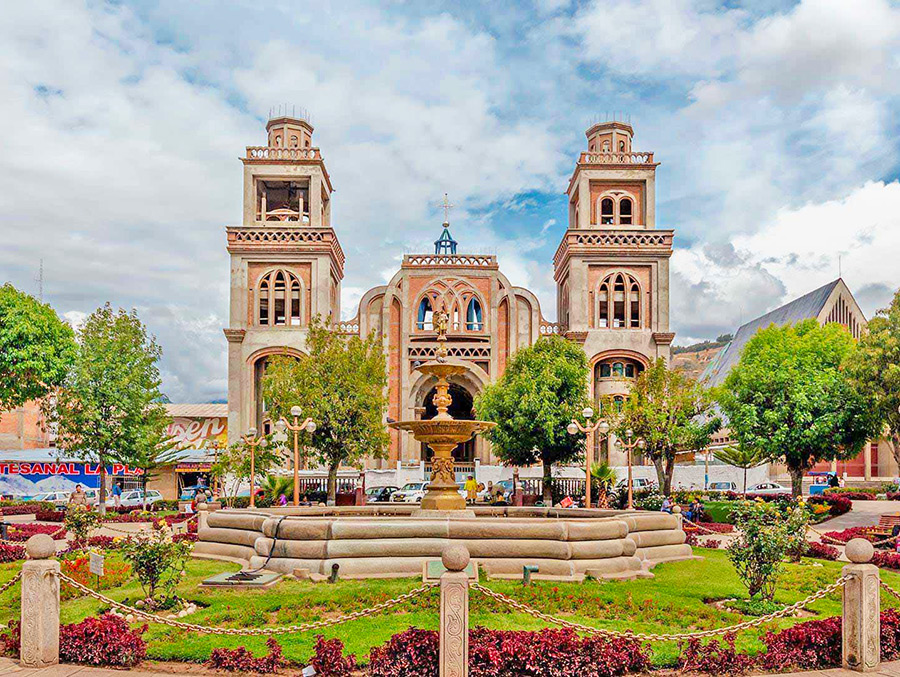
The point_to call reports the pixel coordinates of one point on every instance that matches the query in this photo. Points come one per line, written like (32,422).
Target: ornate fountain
(443,432)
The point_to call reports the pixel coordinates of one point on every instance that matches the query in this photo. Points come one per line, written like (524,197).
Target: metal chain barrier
(893,593)
(11,582)
(650,637)
(283,630)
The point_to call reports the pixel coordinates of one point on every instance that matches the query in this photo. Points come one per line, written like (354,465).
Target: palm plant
(741,457)
(276,485)
(603,477)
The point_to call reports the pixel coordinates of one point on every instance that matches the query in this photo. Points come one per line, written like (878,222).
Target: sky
(775,123)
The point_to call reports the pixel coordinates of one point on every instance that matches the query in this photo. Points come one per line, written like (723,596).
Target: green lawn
(671,602)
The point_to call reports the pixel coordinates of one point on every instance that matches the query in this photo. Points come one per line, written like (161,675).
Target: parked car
(769,489)
(58,498)
(380,494)
(134,498)
(412,492)
(723,486)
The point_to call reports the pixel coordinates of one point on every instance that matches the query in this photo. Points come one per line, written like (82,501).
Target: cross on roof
(446,206)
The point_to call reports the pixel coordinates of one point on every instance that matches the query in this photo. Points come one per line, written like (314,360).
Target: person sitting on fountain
(471,487)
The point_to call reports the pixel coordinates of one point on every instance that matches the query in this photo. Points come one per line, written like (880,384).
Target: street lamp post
(589,429)
(628,447)
(309,426)
(252,441)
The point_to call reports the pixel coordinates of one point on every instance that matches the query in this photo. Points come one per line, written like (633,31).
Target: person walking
(78,498)
(117,495)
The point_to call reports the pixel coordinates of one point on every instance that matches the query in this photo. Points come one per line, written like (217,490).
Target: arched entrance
(462,409)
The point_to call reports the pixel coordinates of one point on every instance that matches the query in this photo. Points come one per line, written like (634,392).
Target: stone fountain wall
(566,545)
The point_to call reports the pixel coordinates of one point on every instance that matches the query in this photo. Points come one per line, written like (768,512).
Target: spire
(445,244)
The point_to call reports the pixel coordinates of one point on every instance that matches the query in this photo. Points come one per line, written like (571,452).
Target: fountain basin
(389,541)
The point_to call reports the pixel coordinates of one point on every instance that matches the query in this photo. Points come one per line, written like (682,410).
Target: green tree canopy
(789,398)
(108,408)
(543,388)
(875,369)
(36,348)
(671,413)
(341,385)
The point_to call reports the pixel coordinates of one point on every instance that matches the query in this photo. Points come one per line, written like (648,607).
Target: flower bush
(886,560)
(836,504)
(329,659)
(22,532)
(241,660)
(24,507)
(50,515)
(105,640)
(853,493)
(822,551)
(158,561)
(508,653)
(758,550)
(81,522)
(79,568)
(715,657)
(11,553)
(847,535)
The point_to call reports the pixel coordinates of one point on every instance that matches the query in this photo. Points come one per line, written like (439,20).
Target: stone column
(202,516)
(454,646)
(676,510)
(862,609)
(40,604)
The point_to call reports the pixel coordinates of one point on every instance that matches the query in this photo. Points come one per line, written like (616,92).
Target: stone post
(202,516)
(676,510)
(40,604)
(454,643)
(862,609)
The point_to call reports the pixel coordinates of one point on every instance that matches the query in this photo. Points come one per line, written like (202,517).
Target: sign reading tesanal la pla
(25,473)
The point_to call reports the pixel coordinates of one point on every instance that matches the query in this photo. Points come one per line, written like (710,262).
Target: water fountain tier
(442,433)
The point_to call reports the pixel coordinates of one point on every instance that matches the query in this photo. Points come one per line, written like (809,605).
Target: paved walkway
(863,514)
(12,668)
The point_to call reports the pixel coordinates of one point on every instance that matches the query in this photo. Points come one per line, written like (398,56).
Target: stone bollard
(862,609)
(676,510)
(454,642)
(40,604)
(202,516)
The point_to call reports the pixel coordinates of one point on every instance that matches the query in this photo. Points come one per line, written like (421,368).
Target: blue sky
(775,123)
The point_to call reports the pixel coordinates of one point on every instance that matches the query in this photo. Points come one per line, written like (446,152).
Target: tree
(155,449)
(108,407)
(543,388)
(603,477)
(233,463)
(671,413)
(789,398)
(875,369)
(741,457)
(36,348)
(341,385)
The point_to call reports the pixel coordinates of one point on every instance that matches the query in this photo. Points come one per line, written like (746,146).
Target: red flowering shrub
(329,659)
(806,646)
(22,532)
(848,534)
(714,657)
(50,515)
(103,542)
(821,551)
(886,560)
(241,660)
(505,653)
(105,640)
(837,503)
(11,553)
(853,493)
(189,537)
(718,528)
(79,569)
(24,507)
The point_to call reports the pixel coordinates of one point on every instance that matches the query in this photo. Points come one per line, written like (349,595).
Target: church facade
(611,271)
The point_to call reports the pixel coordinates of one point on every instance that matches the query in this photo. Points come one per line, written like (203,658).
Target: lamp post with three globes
(252,441)
(296,427)
(628,447)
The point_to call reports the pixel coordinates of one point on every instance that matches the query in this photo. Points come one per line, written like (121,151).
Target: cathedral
(611,271)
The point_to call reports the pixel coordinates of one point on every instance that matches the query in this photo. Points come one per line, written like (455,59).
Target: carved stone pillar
(202,516)
(454,644)
(40,604)
(862,609)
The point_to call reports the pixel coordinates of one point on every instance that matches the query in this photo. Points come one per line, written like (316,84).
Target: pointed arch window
(474,320)
(280,300)
(425,316)
(619,303)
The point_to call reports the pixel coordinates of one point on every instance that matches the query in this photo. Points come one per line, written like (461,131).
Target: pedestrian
(471,487)
(78,498)
(117,495)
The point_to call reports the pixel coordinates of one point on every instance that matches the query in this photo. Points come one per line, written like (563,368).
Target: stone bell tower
(286,262)
(612,266)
